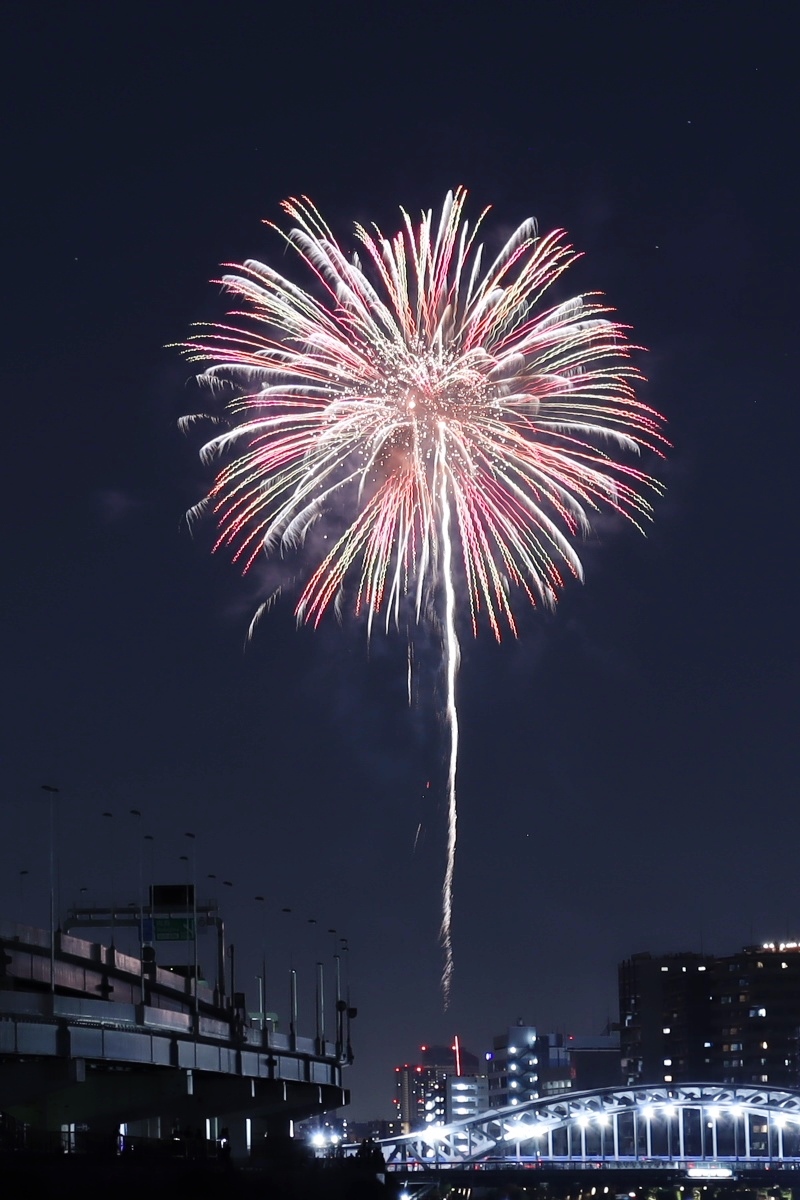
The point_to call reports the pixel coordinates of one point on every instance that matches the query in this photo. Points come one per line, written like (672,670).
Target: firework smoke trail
(451,661)
(459,432)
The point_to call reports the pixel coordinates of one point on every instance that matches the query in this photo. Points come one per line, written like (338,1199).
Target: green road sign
(173,929)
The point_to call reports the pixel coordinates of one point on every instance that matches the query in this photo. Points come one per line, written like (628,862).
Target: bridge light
(669,1110)
(582,1120)
(602,1118)
(713,1112)
(648,1111)
(736,1110)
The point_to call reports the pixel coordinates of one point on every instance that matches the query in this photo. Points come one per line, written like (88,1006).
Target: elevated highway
(91,1036)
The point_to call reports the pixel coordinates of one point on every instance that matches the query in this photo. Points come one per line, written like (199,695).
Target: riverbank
(69,1176)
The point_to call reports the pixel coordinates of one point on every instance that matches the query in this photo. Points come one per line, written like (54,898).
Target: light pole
(134,812)
(263,979)
(194,915)
(22,876)
(111,875)
(52,792)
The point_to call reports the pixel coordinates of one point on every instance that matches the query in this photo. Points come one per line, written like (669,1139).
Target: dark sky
(628,769)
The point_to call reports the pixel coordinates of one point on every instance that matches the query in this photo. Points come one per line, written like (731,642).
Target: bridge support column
(239,1130)
(147,1127)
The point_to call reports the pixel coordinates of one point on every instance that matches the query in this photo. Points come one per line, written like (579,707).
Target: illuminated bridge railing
(698,1125)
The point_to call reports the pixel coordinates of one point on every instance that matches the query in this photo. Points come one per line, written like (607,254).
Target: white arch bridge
(705,1127)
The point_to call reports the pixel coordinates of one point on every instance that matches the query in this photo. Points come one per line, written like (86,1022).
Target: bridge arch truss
(624,1126)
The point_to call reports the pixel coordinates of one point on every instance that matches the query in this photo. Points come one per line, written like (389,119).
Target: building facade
(465,1096)
(512,1066)
(421,1091)
(693,1017)
(525,1064)
(663,1017)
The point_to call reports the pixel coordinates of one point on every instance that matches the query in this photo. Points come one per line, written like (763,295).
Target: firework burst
(462,430)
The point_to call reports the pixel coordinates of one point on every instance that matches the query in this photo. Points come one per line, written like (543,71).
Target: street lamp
(52,792)
(262,979)
(111,876)
(194,915)
(22,876)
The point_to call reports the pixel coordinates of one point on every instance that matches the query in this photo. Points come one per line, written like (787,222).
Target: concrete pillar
(147,1127)
(238,1136)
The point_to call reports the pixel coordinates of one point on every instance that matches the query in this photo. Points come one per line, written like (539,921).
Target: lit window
(667,1079)
(665,968)
(701,968)
(667,1062)
(666,1029)
(784,966)
(764,1046)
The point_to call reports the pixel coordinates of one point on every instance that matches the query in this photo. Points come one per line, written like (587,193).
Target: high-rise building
(512,1066)
(421,1088)
(693,1017)
(754,1024)
(663,1006)
(525,1064)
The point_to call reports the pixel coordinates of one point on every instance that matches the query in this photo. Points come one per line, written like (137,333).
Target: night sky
(628,770)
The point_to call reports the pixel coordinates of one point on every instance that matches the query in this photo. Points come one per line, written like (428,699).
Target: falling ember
(460,430)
